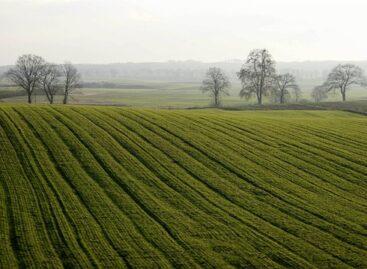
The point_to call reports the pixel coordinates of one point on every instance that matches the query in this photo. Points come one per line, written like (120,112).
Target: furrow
(206,162)
(153,166)
(76,179)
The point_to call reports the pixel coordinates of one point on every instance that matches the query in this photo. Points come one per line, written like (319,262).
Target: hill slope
(111,187)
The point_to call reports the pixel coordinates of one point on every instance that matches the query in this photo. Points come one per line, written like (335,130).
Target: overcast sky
(105,31)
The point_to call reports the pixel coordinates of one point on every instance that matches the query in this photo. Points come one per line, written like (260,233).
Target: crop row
(87,187)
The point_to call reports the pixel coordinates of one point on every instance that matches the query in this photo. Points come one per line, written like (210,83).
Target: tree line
(259,78)
(32,72)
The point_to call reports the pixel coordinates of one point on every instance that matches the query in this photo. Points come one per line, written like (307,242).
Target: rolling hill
(85,187)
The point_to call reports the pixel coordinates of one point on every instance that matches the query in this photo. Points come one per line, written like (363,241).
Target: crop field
(110,187)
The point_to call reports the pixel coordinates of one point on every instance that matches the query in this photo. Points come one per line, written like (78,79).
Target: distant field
(112,187)
(11,92)
(156,94)
(152,94)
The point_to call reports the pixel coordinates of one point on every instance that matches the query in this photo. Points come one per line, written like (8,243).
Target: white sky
(97,31)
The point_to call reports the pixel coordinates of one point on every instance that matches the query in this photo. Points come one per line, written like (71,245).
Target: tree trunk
(216,103)
(51,99)
(344,95)
(29,98)
(260,99)
(65,101)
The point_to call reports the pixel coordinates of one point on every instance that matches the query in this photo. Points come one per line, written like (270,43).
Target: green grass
(116,187)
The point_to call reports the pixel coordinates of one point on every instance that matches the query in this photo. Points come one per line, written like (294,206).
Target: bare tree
(257,75)
(216,83)
(319,93)
(27,73)
(343,76)
(50,81)
(71,80)
(284,84)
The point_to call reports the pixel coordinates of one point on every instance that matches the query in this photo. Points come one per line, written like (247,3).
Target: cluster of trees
(341,78)
(259,78)
(32,72)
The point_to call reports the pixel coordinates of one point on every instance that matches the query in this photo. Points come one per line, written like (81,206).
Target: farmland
(86,186)
(157,94)
(137,94)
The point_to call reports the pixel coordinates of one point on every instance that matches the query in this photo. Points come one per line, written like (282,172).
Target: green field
(150,95)
(84,187)
(153,94)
